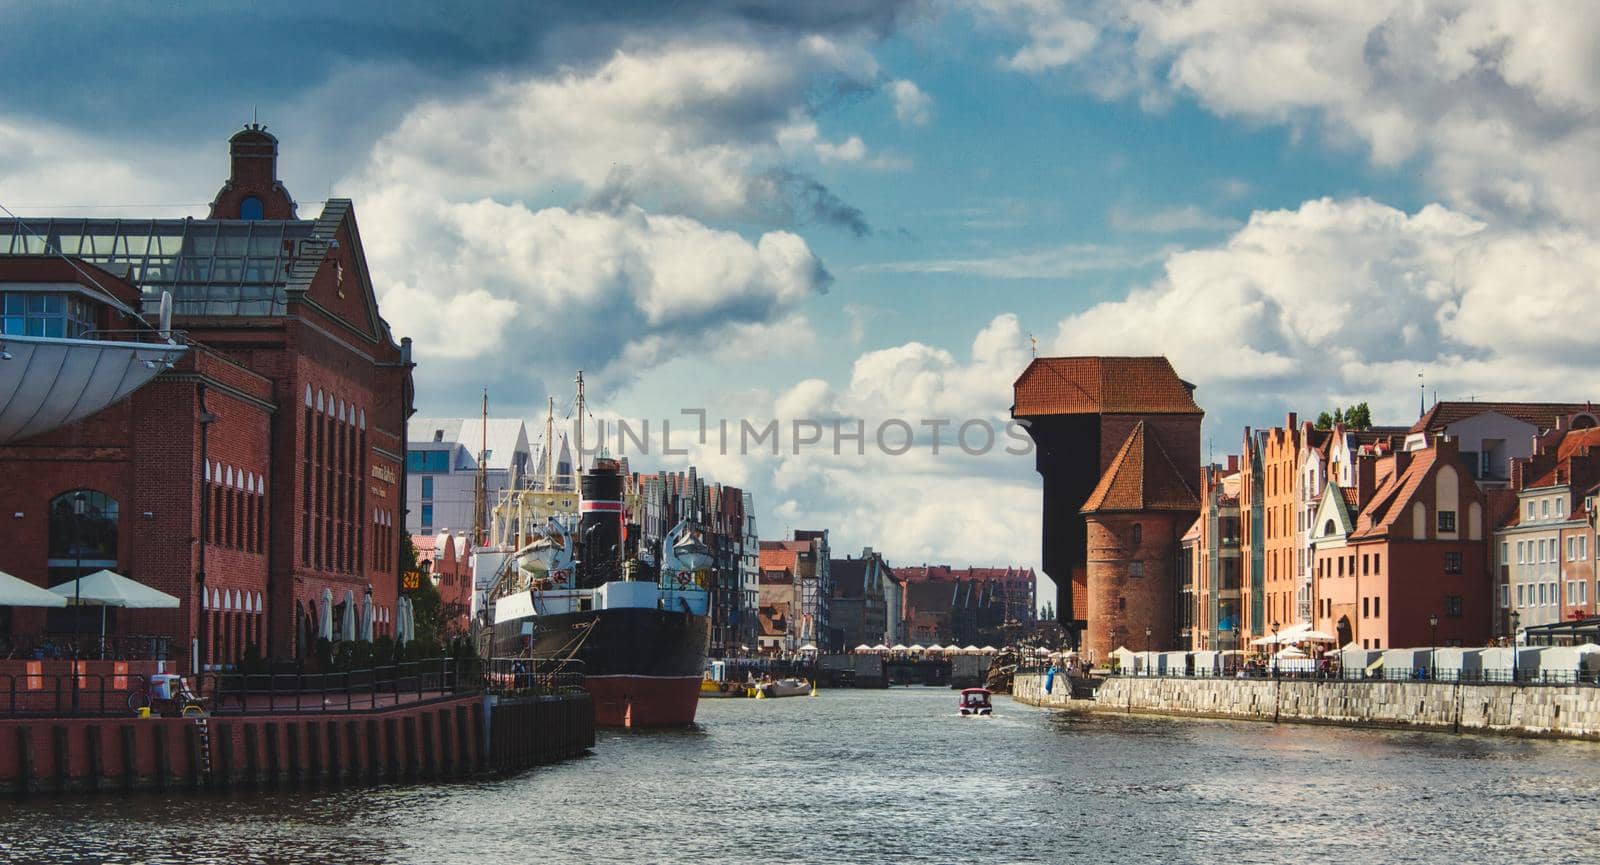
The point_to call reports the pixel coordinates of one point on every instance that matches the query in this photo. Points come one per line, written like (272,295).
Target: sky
(876,213)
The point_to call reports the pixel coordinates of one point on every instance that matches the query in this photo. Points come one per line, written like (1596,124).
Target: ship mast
(577,466)
(481,492)
(549,439)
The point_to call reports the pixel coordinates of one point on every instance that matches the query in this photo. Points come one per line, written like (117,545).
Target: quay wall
(442,739)
(1561,711)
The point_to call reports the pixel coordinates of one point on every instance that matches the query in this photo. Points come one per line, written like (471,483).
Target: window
(1505,596)
(1505,552)
(35,314)
(250,208)
(1583,548)
(1377,607)
(1138,534)
(1377,643)
(1544,508)
(427,517)
(1521,600)
(1366,608)
(1452,605)
(427,488)
(1366,563)
(1519,552)
(1542,601)
(1572,549)
(1532,514)
(1485,463)
(1555,598)
(429,462)
(1136,569)
(1447,521)
(1561,507)
(1341,566)
(1581,596)
(1452,563)
(82,536)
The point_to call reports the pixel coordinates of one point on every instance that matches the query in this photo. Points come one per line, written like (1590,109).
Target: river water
(897,776)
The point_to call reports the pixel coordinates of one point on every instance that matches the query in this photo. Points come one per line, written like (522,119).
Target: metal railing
(90,647)
(526,676)
(103,695)
(1444,677)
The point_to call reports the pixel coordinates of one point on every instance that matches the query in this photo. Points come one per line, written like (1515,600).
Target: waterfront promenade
(1529,709)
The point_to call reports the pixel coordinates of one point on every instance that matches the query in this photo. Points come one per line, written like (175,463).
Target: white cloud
(556,289)
(1047,263)
(50,170)
(707,130)
(1351,298)
(1499,98)
(911,106)
(1170,220)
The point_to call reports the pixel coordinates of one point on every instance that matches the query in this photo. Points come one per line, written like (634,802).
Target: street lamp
(78,503)
(1512,639)
(1274,648)
(1433,642)
(1147,651)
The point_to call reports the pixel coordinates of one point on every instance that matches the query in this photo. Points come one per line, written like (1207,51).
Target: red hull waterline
(644,701)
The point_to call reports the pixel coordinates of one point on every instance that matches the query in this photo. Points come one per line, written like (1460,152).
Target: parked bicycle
(167,695)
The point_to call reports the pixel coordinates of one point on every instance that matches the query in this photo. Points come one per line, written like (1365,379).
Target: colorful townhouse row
(1470,526)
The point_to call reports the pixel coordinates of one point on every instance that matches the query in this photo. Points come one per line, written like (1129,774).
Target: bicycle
(166,695)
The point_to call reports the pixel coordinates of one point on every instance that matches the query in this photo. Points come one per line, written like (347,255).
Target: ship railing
(524,676)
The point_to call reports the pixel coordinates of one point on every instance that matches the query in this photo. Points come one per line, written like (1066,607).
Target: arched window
(1328,528)
(1138,534)
(250,208)
(83,533)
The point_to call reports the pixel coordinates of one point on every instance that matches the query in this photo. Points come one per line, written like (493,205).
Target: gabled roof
(1393,496)
(1542,415)
(1101,385)
(1334,504)
(1141,477)
(505,437)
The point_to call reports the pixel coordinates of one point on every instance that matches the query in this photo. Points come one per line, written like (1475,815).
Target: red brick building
(261,475)
(1081,413)
(446,558)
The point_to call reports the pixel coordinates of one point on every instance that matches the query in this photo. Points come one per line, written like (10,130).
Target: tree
(1356,417)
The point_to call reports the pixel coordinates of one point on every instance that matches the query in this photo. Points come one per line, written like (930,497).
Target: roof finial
(1422,395)
(1034,342)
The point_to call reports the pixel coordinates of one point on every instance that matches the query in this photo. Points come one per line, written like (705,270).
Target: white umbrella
(989,650)
(880,648)
(327,614)
(114,590)
(900,647)
(808,647)
(105,588)
(969,650)
(21,593)
(347,625)
(1291,652)
(367,617)
(862,648)
(916,647)
(936,648)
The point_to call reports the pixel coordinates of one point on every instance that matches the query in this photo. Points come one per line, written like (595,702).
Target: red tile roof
(1542,415)
(1141,477)
(1101,385)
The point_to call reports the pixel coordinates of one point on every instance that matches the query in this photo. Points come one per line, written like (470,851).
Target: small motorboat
(715,684)
(975,701)
(785,688)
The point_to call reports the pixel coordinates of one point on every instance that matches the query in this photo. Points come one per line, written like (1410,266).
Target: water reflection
(862,776)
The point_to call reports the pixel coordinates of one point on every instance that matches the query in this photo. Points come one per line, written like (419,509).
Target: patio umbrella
(880,648)
(21,593)
(105,588)
(900,647)
(969,650)
(917,647)
(367,616)
(989,650)
(862,648)
(326,625)
(347,625)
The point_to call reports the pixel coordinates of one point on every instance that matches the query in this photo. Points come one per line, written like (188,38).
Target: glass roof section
(212,267)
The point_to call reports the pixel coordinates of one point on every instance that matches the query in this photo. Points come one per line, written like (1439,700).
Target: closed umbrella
(21,593)
(367,614)
(347,625)
(325,627)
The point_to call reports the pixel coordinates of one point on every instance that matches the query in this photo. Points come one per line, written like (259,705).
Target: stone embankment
(1561,711)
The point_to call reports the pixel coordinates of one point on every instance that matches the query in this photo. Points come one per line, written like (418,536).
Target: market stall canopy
(916,647)
(16,592)
(880,648)
(989,650)
(808,647)
(862,648)
(111,589)
(1291,652)
(969,650)
(900,647)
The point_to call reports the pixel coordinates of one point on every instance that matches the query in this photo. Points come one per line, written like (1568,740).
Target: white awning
(46,382)
(16,592)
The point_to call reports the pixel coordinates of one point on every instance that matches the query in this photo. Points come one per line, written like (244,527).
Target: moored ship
(581,600)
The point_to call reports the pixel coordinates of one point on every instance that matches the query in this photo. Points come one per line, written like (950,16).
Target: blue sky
(842,210)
